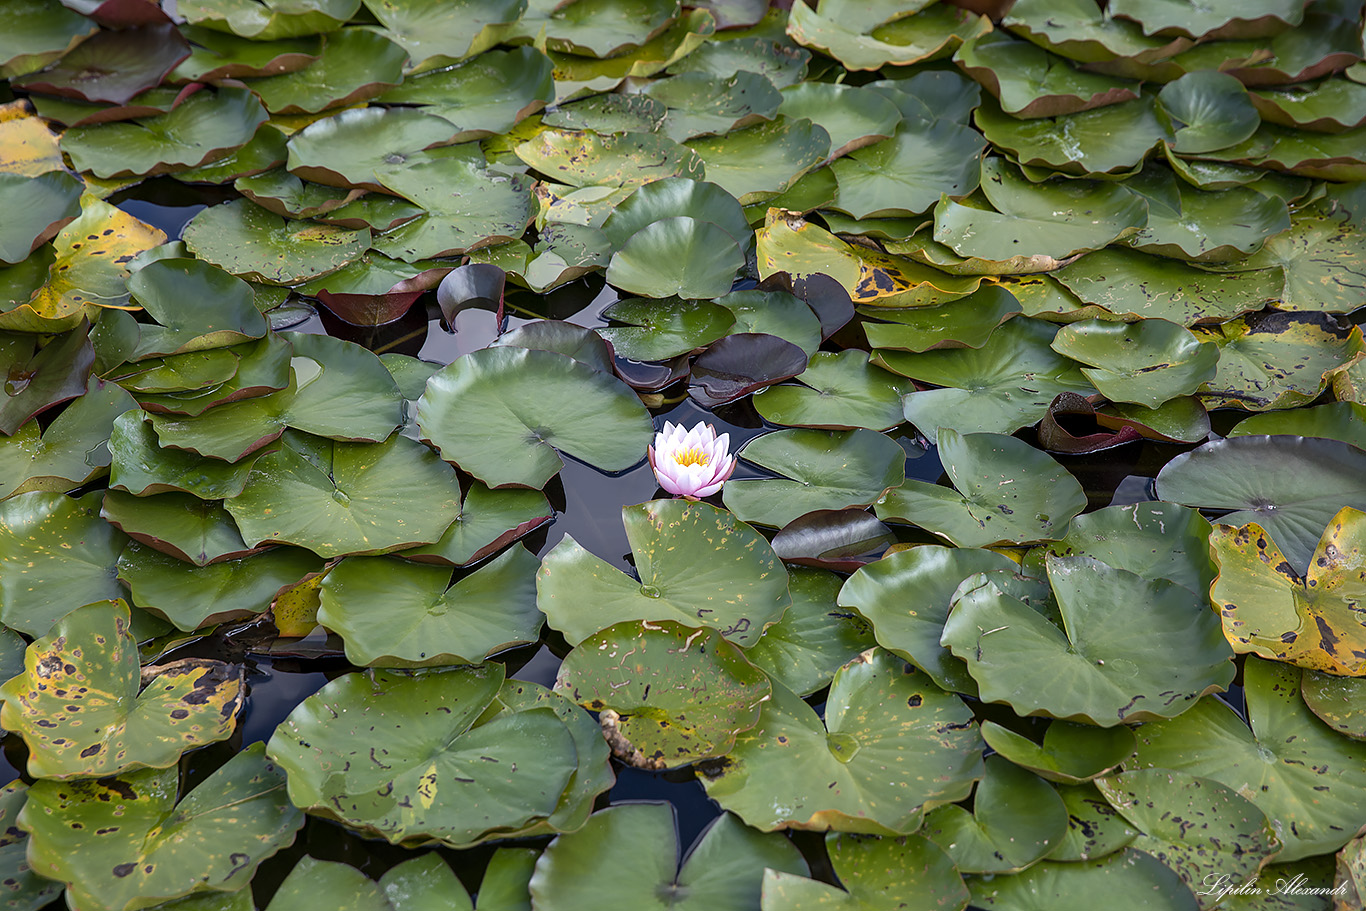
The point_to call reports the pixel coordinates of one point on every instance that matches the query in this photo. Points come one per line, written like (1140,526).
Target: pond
(544,455)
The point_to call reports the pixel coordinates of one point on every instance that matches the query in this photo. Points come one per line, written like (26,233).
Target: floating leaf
(39,378)
(1069,754)
(142,467)
(1152,540)
(703,105)
(24,889)
(1209,110)
(965,323)
(1216,20)
(70,451)
(1114,138)
(677,256)
(1147,363)
(697,565)
(828,470)
(1199,226)
(928,35)
(1093,669)
(41,206)
(840,391)
(1321,260)
(395,614)
(611,113)
(672,196)
(82,711)
(891,746)
(576,75)
(256,244)
(906,174)
(1094,828)
(180,524)
(530,403)
(1330,106)
(124,842)
(28,146)
(676,694)
(1336,701)
(267,22)
(721,872)
(776,313)
(162,287)
(1081,886)
(853,116)
(355,64)
(1345,421)
(1289,764)
(1030,82)
(113,66)
(875,870)
(661,329)
(488,520)
(580,157)
(989,505)
(216,55)
(38,33)
(781,64)
(759,162)
(737,365)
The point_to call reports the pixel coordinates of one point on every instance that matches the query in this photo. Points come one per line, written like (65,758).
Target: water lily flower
(691,463)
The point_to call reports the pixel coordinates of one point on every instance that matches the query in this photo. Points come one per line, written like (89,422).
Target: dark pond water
(587,505)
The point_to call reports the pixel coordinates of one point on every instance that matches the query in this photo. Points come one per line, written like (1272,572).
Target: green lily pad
(417,794)
(776,313)
(905,175)
(988,504)
(761,161)
(113,65)
(934,32)
(205,126)
(723,870)
(703,105)
(815,637)
(255,243)
(583,345)
(142,467)
(828,470)
(661,329)
(1289,764)
(81,709)
(853,116)
(781,64)
(1000,387)
(38,33)
(1094,670)
(1106,140)
(840,391)
(1337,701)
(41,207)
(1016,819)
(1028,81)
(1330,106)
(355,64)
(466,207)
(1278,359)
(597,28)
(37,378)
(163,286)
(1147,883)
(488,520)
(216,55)
(906,596)
(875,871)
(192,597)
(1152,540)
(1217,19)
(289,197)
(180,524)
(1270,610)
(1147,363)
(677,256)
(396,614)
(270,21)
(676,694)
(965,323)
(56,553)
(1131,285)
(530,403)
(576,75)
(672,196)
(1094,828)
(448,32)
(1200,226)
(1321,260)
(337,389)
(1200,828)
(580,158)
(72,450)
(740,595)
(483,96)
(125,842)
(611,113)
(1345,421)
(1047,222)
(24,889)
(1209,110)
(347,498)
(1069,754)
(891,746)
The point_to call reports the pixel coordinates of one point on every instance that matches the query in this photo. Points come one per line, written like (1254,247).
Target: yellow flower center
(693,456)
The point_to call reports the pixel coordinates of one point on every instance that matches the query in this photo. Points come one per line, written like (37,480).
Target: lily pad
(815,637)
(741,592)
(141,466)
(41,207)
(417,793)
(676,694)
(875,871)
(891,746)
(216,55)
(703,105)
(1345,421)
(123,842)
(989,505)
(530,403)
(660,329)
(38,378)
(24,889)
(840,391)
(347,498)
(1147,363)
(270,21)
(677,256)
(163,286)
(1329,106)
(853,116)
(1289,764)
(576,75)
(672,196)
(1321,261)
(1152,885)
(355,64)
(429,29)
(1101,141)
(780,63)
(1217,19)
(1209,110)
(28,146)
(1016,819)
(70,451)
(721,872)
(776,313)
(739,364)
(256,244)
(113,66)
(488,520)
(1069,754)
(55,553)
(396,614)
(205,126)
(346,149)
(1000,387)
(180,524)
(927,35)
(759,162)
(289,197)
(1204,226)
(1278,359)
(82,711)
(905,175)
(610,113)
(483,96)
(38,33)
(965,323)
(828,470)
(1028,81)
(1337,701)
(580,158)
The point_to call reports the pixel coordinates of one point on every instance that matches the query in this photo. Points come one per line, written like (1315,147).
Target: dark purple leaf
(825,296)
(120,13)
(739,364)
(474,285)
(1070,427)
(113,66)
(838,539)
(651,376)
(55,373)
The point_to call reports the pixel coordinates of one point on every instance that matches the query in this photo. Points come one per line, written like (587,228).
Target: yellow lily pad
(27,145)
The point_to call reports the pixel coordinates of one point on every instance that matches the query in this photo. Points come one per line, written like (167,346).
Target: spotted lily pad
(1069,754)
(82,711)
(906,174)
(1204,226)
(125,841)
(582,157)
(660,329)
(740,592)
(965,323)
(1147,363)
(1004,640)
(1321,262)
(875,870)
(927,35)
(391,613)
(256,244)
(891,746)
(519,761)
(1291,765)
(677,694)
(530,403)
(828,470)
